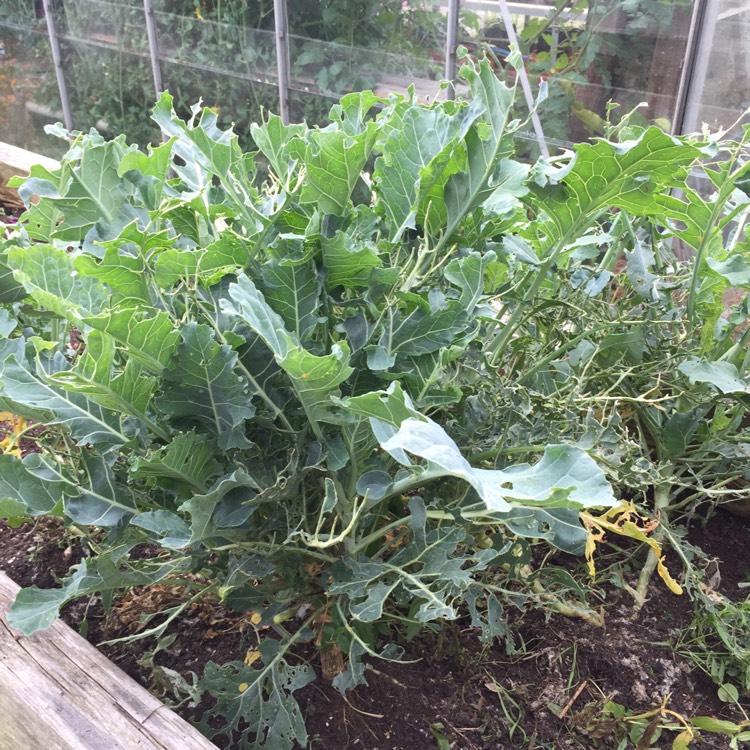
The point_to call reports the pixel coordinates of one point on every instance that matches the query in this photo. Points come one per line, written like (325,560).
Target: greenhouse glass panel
(107,69)
(589,54)
(351,45)
(237,101)
(220,51)
(29,98)
(720,81)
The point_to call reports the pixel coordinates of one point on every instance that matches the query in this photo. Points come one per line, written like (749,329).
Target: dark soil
(550,692)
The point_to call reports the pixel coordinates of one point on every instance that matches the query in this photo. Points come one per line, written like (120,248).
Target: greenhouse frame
(86,62)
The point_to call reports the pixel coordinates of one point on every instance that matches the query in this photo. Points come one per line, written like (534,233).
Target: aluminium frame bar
(283,62)
(57,60)
(688,65)
(700,57)
(153,47)
(523,76)
(451,45)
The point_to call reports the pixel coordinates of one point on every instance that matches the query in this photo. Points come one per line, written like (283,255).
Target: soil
(547,691)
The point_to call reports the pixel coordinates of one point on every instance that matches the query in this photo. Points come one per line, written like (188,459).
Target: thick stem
(661,504)
(568,610)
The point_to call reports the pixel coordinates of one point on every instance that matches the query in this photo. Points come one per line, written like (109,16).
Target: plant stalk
(661,505)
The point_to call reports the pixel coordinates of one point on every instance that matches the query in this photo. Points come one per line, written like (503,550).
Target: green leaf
(292,289)
(205,151)
(415,153)
(722,375)
(436,730)
(333,160)
(149,172)
(101,498)
(429,376)
(640,262)
(85,191)
(392,406)
(129,392)
(202,146)
(735,269)
(431,570)
(49,275)
(728,693)
(487,143)
(559,526)
(348,259)
(86,421)
(125,274)
(717,726)
(467,273)
(36,609)
(7,324)
(149,339)
(92,496)
(188,460)
(603,174)
(679,430)
(352,111)
(168,528)
(10,509)
(260,700)
(272,137)
(10,290)
(564,477)
(19,487)
(417,331)
(202,387)
(206,265)
(233,489)
(249,304)
(518,249)
(315,378)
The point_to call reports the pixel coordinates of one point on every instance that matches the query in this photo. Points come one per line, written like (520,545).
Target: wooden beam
(57,691)
(17,161)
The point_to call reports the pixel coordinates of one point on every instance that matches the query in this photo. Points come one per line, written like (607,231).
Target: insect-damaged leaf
(259,697)
(565,476)
(49,276)
(148,337)
(188,460)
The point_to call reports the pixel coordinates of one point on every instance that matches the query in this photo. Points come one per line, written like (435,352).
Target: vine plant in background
(346,382)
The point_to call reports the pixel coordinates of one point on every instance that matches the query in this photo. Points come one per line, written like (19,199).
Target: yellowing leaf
(251,657)
(682,740)
(243,686)
(624,520)
(17,427)
(255,618)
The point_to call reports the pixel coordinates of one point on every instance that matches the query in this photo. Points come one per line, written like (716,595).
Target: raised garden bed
(58,691)
(473,697)
(424,432)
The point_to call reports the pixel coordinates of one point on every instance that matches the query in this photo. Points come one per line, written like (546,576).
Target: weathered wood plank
(59,693)
(17,161)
